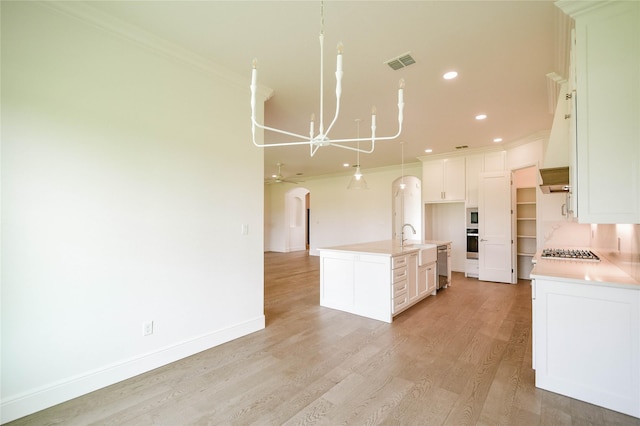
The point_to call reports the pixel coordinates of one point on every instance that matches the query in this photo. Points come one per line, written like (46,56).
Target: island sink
(427,253)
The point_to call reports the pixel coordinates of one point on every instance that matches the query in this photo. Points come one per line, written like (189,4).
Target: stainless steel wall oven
(472,243)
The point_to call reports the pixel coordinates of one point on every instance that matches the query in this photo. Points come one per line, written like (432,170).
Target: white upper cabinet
(476,164)
(443,180)
(607,73)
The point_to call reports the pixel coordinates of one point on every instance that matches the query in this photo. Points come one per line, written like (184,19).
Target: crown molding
(540,135)
(106,22)
(575,8)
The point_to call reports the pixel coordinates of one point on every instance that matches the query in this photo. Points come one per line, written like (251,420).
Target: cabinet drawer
(398,262)
(399,288)
(399,274)
(400,302)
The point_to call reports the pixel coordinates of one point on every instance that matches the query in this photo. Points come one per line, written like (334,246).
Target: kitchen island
(586,332)
(378,279)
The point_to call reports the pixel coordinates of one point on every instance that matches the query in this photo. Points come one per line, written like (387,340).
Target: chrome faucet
(402,238)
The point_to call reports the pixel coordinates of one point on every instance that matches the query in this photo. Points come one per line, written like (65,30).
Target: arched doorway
(296,202)
(407,206)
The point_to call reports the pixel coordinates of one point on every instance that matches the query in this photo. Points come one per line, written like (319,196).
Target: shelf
(526,229)
(526,195)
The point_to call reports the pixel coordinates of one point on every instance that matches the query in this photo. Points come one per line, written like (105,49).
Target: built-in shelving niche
(525,230)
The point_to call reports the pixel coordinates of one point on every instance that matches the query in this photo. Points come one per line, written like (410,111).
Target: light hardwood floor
(462,357)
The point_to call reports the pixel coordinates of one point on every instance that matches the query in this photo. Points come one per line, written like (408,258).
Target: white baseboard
(73,387)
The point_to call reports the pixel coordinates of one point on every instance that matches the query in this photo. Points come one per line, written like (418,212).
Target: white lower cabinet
(471,268)
(373,285)
(412,276)
(356,283)
(586,342)
(400,283)
(427,280)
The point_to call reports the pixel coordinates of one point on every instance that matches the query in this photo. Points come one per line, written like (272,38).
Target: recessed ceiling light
(481,116)
(497,140)
(450,75)
(346,164)
(428,150)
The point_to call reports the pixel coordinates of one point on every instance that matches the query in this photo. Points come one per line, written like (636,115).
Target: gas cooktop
(570,254)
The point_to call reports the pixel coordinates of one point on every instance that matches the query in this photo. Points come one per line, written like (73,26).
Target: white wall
(116,209)
(340,216)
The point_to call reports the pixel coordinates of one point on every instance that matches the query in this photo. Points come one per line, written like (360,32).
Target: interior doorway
(526,215)
(406,207)
(297,211)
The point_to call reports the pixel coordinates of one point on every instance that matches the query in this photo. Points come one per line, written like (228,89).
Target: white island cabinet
(377,280)
(586,333)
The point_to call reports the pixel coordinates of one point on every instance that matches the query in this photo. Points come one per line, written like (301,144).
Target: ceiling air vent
(401,61)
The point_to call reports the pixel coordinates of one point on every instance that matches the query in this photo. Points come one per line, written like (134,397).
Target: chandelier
(321,138)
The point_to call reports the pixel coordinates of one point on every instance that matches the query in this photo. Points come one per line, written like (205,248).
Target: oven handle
(472,235)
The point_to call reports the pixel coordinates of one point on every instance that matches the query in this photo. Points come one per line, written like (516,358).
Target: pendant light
(357,181)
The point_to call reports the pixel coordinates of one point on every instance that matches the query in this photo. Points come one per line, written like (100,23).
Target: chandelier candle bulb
(254,72)
(322,139)
(313,118)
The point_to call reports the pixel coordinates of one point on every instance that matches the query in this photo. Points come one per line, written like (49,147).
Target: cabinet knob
(567,116)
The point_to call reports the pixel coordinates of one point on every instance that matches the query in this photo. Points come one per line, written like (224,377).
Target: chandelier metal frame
(316,141)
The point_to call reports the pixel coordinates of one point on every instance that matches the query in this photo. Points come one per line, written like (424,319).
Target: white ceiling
(502,51)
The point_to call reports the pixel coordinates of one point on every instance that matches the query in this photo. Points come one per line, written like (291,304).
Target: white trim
(56,393)
(106,22)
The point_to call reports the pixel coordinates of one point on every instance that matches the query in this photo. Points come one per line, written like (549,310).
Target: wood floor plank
(460,357)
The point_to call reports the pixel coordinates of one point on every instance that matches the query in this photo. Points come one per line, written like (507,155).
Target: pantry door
(495,240)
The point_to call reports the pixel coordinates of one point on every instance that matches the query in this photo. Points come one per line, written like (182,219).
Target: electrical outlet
(147,328)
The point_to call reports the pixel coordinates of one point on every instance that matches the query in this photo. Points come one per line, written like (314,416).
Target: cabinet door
(422,281)
(587,343)
(372,287)
(474,166)
(454,179)
(412,276)
(443,180)
(432,278)
(608,113)
(432,181)
(336,280)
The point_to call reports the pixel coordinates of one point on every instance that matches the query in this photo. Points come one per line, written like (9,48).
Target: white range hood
(555,169)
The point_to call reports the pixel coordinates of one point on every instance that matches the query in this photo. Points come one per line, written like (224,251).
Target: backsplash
(620,244)
(565,234)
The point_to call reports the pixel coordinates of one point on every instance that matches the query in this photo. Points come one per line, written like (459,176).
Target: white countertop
(387,247)
(594,273)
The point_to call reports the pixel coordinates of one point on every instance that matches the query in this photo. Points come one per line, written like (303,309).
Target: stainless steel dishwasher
(443,267)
